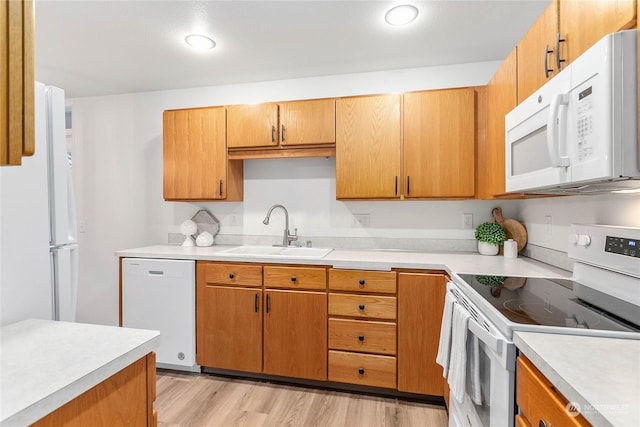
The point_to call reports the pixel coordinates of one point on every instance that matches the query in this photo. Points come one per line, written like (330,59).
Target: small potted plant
(490,236)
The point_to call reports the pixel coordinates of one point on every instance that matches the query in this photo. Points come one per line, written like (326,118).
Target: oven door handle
(490,340)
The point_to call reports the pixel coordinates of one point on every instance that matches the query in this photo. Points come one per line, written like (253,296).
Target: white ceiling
(107,47)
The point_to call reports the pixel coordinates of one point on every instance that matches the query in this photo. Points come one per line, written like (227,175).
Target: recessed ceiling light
(401,15)
(199,41)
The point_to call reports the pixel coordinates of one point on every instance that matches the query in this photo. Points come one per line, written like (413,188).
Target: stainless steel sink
(277,252)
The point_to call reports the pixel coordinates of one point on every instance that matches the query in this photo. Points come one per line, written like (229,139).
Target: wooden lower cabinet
(378,329)
(420,305)
(124,399)
(295,334)
(362,336)
(363,369)
(232,337)
(539,402)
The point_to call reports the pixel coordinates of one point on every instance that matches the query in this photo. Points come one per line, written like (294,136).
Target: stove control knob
(580,239)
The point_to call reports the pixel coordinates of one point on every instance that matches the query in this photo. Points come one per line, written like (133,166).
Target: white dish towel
(458,358)
(473,355)
(444,345)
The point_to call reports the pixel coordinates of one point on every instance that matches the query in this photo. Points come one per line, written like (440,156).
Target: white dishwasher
(160,294)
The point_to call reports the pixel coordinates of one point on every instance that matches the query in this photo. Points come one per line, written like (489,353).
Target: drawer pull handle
(361,371)
(542,423)
(294,278)
(361,282)
(232,276)
(361,338)
(361,307)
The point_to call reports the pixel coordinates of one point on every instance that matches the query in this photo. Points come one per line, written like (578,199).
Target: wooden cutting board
(515,230)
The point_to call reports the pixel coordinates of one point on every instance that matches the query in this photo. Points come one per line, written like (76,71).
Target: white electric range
(601,299)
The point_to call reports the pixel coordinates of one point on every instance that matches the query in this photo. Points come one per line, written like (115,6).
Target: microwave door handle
(491,341)
(553,138)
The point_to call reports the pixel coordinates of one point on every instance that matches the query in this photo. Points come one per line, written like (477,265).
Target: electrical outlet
(547,302)
(360,220)
(467,220)
(548,222)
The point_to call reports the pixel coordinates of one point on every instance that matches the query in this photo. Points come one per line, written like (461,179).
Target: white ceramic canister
(511,249)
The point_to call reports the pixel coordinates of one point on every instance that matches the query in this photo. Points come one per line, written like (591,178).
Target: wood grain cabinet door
(536,53)
(584,22)
(501,98)
(229,325)
(17,98)
(420,306)
(295,334)
(308,122)
(194,154)
(368,147)
(439,143)
(252,125)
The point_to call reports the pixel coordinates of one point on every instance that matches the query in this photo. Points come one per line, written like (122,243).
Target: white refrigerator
(38,244)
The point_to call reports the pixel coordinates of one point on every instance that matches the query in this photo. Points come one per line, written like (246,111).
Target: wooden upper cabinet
(284,124)
(501,98)
(563,32)
(584,22)
(195,156)
(308,122)
(368,147)
(536,53)
(253,125)
(17,98)
(439,143)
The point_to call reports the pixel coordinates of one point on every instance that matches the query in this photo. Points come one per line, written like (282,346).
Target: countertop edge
(381,260)
(567,390)
(54,401)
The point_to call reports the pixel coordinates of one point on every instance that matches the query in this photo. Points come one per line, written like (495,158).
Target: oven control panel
(610,247)
(623,246)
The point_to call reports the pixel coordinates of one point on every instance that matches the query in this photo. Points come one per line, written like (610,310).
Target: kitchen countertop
(602,375)
(471,263)
(45,364)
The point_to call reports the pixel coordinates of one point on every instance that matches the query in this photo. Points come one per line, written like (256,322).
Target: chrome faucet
(286,238)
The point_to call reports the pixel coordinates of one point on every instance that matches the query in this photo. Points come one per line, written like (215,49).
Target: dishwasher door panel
(160,295)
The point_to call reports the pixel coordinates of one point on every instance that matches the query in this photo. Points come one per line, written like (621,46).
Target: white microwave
(579,132)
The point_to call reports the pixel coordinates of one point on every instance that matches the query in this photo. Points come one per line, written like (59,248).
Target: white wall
(611,209)
(117,144)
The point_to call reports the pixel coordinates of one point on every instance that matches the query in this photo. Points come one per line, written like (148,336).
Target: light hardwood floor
(193,400)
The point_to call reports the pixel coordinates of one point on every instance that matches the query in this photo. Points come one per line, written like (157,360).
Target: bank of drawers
(362,327)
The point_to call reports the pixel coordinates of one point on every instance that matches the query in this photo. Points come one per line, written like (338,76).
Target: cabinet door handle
(294,278)
(361,282)
(282,134)
(220,188)
(361,307)
(268,306)
(361,371)
(273,133)
(542,423)
(396,185)
(547,70)
(559,61)
(361,338)
(255,304)
(408,185)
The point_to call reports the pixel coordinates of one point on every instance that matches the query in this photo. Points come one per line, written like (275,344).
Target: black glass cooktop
(550,302)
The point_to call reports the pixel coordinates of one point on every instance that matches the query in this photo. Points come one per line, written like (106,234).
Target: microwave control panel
(586,147)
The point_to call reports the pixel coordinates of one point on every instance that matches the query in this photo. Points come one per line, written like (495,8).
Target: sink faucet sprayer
(286,238)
